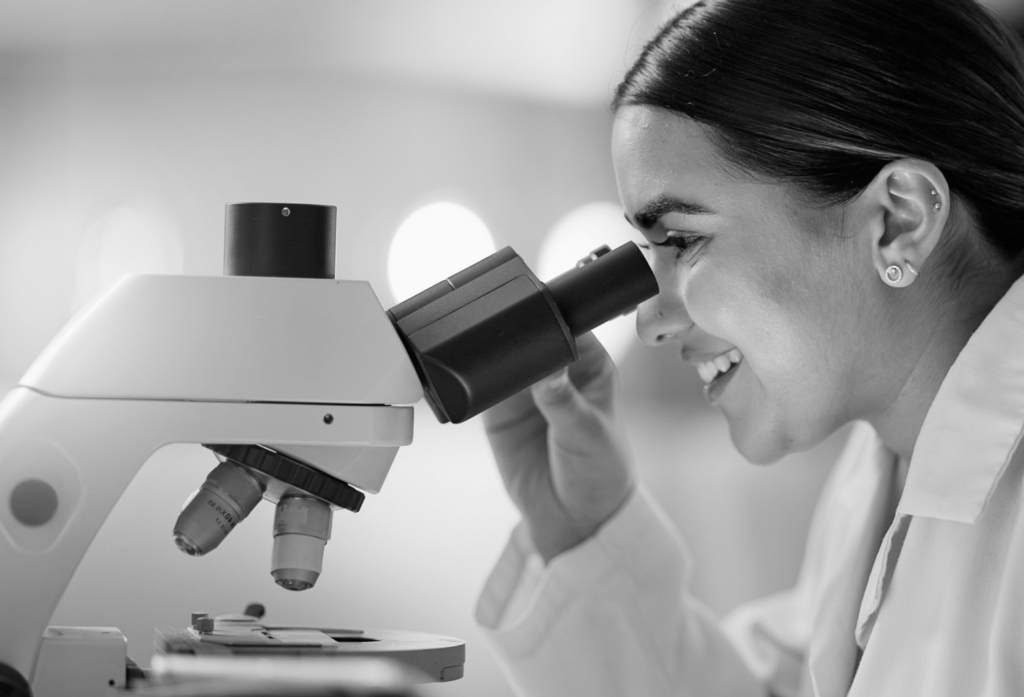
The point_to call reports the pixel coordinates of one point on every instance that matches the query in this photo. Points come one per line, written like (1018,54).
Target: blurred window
(433,243)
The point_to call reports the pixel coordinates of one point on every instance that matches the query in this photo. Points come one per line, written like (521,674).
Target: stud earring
(934,192)
(910,268)
(938,206)
(893,274)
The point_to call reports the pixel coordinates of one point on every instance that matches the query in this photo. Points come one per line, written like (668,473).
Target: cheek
(766,312)
(748,304)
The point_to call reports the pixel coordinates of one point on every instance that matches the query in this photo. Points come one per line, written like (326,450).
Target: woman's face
(774,292)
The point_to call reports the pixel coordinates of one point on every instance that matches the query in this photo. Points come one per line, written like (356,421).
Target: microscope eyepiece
(495,328)
(603,286)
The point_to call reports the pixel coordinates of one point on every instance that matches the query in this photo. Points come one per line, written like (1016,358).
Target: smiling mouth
(716,372)
(719,365)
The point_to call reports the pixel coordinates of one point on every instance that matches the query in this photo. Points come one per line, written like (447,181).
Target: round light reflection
(573,237)
(136,237)
(435,242)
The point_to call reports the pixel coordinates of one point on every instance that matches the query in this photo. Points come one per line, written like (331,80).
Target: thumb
(560,402)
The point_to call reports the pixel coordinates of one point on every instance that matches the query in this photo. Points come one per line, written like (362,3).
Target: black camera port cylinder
(291,240)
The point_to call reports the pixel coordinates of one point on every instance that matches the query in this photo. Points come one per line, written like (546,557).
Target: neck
(940,336)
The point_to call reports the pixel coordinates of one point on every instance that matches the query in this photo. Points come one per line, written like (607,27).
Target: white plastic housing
(81,661)
(230,339)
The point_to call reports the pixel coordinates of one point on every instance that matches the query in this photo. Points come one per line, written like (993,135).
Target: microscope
(299,384)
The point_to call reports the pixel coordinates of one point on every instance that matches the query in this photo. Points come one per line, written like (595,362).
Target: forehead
(660,153)
(656,136)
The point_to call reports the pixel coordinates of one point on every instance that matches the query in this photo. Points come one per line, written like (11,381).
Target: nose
(662,319)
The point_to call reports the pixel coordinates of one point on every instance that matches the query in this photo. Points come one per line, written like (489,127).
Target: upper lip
(691,356)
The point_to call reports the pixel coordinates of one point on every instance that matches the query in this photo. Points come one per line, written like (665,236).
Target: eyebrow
(647,216)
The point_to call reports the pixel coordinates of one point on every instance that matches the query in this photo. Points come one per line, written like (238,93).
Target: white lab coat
(931,605)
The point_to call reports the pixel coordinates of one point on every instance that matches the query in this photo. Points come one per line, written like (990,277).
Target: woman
(832,192)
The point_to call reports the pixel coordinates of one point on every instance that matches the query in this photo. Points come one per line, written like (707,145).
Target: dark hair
(824,93)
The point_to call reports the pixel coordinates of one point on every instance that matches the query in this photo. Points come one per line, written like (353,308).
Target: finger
(561,404)
(594,374)
(509,412)
(593,365)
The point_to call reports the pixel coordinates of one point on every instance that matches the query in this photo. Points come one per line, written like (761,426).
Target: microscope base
(81,661)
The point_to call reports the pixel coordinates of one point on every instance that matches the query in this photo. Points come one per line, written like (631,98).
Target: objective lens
(223,501)
(302,527)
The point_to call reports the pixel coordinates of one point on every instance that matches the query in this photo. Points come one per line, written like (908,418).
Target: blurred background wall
(124,129)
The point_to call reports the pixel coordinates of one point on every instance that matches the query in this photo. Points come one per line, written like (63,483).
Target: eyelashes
(684,245)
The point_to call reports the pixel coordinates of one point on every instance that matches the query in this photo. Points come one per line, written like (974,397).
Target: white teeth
(709,370)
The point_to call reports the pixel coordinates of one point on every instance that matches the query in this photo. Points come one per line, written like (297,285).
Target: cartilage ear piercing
(893,274)
(938,206)
(934,192)
(910,268)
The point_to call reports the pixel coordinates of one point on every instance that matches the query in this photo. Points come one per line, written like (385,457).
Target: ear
(907,204)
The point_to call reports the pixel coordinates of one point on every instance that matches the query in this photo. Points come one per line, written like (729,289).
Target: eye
(684,243)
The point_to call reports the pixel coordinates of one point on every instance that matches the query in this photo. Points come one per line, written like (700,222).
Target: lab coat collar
(866,471)
(975,422)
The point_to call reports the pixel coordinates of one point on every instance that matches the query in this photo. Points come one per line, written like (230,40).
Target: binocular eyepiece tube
(494,329)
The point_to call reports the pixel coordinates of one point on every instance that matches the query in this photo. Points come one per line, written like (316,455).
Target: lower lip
(713,390)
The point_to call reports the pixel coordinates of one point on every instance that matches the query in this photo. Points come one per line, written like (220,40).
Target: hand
(562,452)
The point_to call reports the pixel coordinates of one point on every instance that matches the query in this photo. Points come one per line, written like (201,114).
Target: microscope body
(301,384)
(309,367)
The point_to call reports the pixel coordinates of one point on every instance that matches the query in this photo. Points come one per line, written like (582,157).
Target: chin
(761,456)
(760,446)
(765,442)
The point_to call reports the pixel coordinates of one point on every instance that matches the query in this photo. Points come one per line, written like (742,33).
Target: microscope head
(282,241)
(473,339)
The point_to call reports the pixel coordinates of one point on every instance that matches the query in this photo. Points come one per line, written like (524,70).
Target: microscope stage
(438,658)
